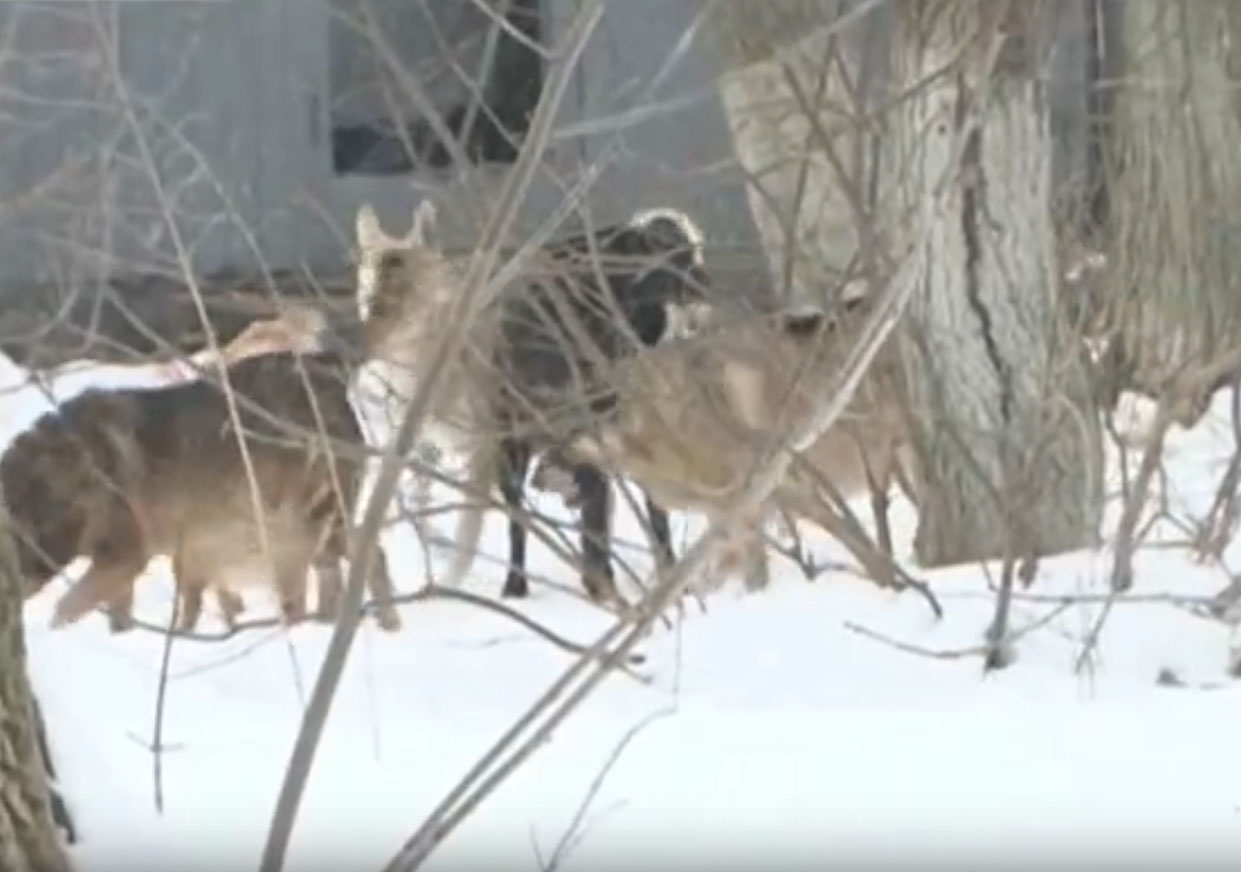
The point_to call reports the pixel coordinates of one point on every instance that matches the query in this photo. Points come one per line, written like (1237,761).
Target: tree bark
(1006,433)
(1007,438)
(29,841)
(796,76)
(1173,285)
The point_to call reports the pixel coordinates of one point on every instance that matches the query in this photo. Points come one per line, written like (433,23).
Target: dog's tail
(480,476)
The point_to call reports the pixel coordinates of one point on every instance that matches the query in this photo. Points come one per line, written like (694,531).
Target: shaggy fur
(692,415)
(531,371)
(120,476)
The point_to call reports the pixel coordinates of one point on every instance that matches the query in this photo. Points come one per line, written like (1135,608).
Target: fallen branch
(1085,598)
(1221,522)
(961,653)
(1126,531)
(1091,643)
(429,592)
(161,695)
(574,833)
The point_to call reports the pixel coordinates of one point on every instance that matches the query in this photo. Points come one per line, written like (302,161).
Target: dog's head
(669,246)
(57,479)
(401,281)
(842,319)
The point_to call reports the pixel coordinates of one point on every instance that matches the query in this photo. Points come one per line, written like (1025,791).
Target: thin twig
(558,702)
(1090,644)
(474,284)
(573,834)
(157,732)
(959,653)
(1087,598)
(428,592)
(1221,521)
(1122,567)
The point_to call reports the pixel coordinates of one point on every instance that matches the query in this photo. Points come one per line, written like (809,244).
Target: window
(454,52)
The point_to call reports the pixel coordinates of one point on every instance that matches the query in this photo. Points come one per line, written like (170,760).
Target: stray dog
(120,476)
(692,415)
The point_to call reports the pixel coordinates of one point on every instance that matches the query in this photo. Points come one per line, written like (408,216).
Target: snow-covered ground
(784,736)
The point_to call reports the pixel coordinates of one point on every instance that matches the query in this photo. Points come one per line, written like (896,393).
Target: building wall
(681,152)
(231,99)
(53,116)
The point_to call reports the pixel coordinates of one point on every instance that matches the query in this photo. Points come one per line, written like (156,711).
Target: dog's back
(694,412)
(188,427)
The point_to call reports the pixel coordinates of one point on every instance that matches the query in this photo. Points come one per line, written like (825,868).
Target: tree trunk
(1005,429)
(1007,436)
(28,838)
(1173,286)
(794,88)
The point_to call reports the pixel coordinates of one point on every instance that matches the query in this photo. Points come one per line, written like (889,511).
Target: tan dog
(694,413)
(406,291)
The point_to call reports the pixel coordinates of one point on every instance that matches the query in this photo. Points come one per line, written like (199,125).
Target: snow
(781,733)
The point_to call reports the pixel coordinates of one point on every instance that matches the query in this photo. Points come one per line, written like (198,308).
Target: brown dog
(120,476)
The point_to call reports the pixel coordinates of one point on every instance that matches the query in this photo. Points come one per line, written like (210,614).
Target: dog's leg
(290,580)
(116,562)
(753,550)
(514,464)
(121,540)
(190,596)
(328,578)
(325,522)
(595,491)
(554,474)
(330,582)
(190,585)
(714,573)
(879,480)
(662,533)
(120,611)
(379,582)
(231,606)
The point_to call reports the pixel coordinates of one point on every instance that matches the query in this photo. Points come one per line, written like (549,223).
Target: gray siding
(232,101)
(55,114)
(682,155)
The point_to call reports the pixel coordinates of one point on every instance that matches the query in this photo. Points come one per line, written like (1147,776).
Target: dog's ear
(855,295)
(804,322)
(367,229)
(424,225)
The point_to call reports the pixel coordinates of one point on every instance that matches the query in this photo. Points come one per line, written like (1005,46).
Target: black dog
(609,297)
